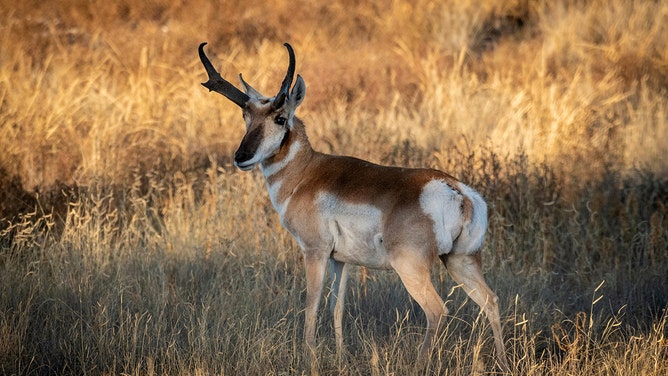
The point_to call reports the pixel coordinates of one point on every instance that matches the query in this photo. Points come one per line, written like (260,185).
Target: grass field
(129,244)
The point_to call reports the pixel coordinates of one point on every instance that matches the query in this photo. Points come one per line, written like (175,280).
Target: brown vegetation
(129,244)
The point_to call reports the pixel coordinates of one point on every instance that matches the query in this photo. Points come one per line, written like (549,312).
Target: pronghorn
(344,210)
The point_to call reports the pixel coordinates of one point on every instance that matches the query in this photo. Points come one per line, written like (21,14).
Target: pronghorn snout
(241,159)
(245,157)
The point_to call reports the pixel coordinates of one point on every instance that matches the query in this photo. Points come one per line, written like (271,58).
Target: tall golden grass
(129,244)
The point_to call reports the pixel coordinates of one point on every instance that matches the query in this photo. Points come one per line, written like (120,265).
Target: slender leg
(467,271)
(339,275)
(415,275)
(315,266)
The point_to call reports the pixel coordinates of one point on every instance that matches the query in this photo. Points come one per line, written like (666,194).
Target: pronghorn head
(269,120)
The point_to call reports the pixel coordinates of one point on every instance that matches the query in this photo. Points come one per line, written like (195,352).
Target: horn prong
(218,84)
(289,76)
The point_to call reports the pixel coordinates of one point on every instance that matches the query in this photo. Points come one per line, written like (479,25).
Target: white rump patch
(473,233)
(443,205)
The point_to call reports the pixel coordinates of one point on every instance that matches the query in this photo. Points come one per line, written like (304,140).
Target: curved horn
(218,84)
(287,81)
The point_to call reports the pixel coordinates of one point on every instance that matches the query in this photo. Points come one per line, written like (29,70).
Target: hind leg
(415,275)
(467,271)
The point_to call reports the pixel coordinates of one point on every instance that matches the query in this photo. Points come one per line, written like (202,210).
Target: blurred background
(130,244)
(101,91)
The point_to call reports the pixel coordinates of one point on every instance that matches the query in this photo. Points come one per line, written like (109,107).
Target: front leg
(339,275)
(315,264)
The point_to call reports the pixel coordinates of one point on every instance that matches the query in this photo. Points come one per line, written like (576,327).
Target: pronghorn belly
(353,231)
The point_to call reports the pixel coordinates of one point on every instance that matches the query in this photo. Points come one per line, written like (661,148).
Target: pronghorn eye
(280,120)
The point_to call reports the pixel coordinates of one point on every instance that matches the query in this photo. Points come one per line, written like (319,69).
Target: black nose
(242,156)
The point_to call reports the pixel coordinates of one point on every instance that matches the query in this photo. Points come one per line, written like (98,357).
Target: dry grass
(128,244)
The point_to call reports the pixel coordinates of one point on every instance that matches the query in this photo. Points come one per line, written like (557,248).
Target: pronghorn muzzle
(245,154)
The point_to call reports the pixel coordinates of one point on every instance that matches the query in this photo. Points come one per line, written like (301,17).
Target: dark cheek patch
(286,138)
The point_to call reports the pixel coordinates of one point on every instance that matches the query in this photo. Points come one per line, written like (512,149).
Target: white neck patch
(273,168)
(275,188)
(280,206)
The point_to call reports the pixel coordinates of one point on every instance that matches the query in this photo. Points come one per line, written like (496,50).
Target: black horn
(287,81)
(218,84)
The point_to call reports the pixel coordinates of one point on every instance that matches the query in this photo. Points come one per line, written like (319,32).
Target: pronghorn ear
(297,94)
(250,91)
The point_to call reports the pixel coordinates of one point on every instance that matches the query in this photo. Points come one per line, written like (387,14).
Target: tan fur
(467,209)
